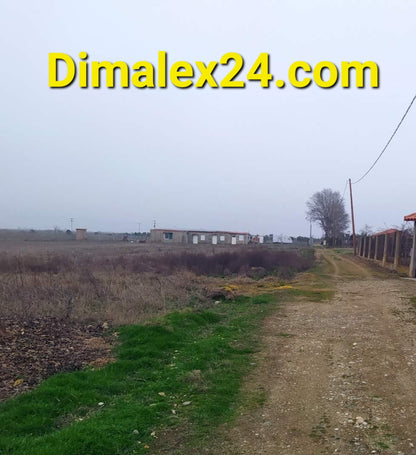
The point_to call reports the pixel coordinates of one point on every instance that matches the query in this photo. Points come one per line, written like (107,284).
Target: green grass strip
(197,357)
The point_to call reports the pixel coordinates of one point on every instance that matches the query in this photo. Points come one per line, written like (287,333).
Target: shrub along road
(337,376)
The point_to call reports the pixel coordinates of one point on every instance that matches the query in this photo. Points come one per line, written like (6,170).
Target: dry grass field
(59,297)
(122,282)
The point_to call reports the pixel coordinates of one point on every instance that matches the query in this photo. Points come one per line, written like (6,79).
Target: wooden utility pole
(354,242)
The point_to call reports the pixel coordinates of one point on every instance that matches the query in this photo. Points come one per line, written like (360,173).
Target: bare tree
(367,230)
(327,208)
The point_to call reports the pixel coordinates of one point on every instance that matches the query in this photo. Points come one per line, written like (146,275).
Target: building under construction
(196,237)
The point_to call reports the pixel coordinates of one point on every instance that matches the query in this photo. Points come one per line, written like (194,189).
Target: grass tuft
(180,371)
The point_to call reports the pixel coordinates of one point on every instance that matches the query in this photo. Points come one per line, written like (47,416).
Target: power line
(388,142)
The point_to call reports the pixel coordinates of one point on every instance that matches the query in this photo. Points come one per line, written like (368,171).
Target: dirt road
(338,376)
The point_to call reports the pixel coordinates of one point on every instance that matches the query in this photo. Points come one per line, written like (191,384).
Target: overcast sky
(236,159)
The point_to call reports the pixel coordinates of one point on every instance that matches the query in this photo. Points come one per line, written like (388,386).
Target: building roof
(411,217)
(387,232)
(169,230)
(201,230)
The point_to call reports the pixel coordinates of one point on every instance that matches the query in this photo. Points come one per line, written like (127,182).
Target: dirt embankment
(337,376)
(33,350)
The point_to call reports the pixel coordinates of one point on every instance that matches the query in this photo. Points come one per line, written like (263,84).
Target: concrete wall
(81,234)
(168,236)
(217,238)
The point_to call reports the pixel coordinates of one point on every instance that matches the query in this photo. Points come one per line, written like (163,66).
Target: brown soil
(31,351)
(338,376)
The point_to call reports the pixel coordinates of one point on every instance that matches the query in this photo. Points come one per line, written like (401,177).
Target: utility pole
(139,226)
(354,242)
(72,223)
(154,224)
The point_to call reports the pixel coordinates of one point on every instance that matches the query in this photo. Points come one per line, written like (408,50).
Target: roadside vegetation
(175,377)
(127,288)
(174,381)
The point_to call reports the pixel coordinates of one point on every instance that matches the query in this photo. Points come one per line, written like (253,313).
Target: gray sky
(244,159)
